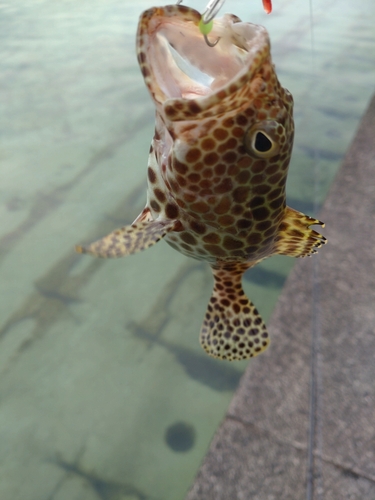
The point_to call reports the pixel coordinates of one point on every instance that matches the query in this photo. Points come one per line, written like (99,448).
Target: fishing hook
(213,7)
(210,44)
(206,22)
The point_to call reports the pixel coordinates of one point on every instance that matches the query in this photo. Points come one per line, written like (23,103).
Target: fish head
(224,125)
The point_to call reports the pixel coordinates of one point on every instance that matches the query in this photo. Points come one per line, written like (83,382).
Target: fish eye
(262,143)
(264,139)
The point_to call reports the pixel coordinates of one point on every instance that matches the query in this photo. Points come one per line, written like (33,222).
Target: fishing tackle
(205,29)
(206,22)
(267,6)
(213,7)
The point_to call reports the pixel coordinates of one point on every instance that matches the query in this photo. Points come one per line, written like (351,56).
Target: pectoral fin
(144,216)
(129,239)
(295,237)
(232,328)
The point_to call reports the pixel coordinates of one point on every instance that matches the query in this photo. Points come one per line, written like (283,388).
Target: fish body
(217,165)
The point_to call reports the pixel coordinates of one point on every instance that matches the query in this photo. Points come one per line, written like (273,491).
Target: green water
(100,360)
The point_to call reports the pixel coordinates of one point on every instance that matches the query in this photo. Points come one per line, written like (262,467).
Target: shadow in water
(215,374)
(104,489)
(180,437)
(265,277)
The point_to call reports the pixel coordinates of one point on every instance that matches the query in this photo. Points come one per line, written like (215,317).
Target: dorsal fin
(232,328)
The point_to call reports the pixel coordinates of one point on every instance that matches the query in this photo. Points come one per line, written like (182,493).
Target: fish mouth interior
(185,66)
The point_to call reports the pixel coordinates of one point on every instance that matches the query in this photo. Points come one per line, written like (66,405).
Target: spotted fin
(129,239)
(232,328)
(295,237)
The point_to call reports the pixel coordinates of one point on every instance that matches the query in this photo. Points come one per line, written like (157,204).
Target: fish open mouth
(182,65)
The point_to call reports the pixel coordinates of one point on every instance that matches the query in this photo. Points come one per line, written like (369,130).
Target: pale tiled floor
(85,401)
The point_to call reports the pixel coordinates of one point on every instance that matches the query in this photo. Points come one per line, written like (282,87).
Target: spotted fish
(217,166)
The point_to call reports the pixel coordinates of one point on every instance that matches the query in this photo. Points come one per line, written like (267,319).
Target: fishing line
(314,487)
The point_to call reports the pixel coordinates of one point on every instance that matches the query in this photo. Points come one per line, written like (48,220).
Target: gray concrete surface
(276,441)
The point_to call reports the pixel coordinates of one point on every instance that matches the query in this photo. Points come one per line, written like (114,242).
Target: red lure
(267,5)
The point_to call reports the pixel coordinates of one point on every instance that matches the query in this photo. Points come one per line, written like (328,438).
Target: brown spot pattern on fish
(129,239)
(232,328)
(295,238)
(217,165)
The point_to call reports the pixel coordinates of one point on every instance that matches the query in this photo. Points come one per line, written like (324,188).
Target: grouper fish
(217,166)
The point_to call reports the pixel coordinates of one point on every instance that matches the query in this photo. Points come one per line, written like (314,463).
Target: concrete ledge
(273,445)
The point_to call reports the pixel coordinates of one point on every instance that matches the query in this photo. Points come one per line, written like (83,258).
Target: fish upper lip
(183,68)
